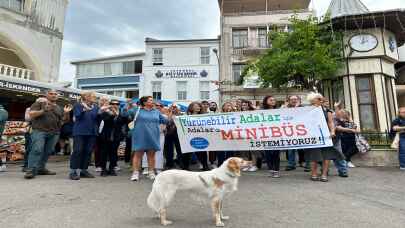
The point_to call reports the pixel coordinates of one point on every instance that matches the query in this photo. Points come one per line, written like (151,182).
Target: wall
(181,55)
(36,38)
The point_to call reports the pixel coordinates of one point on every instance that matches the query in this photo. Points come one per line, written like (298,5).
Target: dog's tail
(154,198)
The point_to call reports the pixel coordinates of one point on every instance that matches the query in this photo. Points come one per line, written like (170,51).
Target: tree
(304,56)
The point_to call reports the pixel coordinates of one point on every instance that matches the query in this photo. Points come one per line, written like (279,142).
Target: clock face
(363,42)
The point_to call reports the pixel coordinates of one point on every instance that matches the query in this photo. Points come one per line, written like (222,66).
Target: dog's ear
(234,166)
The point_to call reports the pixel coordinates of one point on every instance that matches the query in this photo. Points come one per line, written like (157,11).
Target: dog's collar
(229,174)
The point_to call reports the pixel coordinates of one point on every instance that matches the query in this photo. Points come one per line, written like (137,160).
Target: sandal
(324,179)
(314,178)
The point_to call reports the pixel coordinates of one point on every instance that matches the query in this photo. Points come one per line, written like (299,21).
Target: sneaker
(350,165)
(343,175)
(86,174)
(103,173)
(112,173)
(117,168)
(98,169)
(3,168)
(253,169)
(145,172)
(245,169)
(276,174)
(74,176)
(158,171)
(402,168)
(45,172)
(151,176)
(290,168)
(29,174)
(135,176)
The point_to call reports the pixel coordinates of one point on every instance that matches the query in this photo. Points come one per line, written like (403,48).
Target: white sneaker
(3,168)
(117,168)
(98,169)
(253,169)
(402,168)
(151,176)
(145,171)
(245,169)
(158,171)
(350,165)
(135,176)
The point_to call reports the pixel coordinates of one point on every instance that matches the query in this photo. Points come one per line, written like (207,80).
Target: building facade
(244,28)
(181,71)
(31,34)
(119,75)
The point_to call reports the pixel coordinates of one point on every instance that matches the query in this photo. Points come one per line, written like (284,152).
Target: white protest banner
(276,129)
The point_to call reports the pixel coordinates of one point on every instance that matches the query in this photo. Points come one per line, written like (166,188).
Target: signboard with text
(277,129)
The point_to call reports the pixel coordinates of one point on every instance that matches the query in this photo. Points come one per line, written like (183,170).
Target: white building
(31,34)
(114,75)
(181,71)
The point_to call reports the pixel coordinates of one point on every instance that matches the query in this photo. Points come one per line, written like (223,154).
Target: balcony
(15,5)
(248,51)
(11,71)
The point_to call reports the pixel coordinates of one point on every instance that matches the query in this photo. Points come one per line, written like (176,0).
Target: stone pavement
(370,197)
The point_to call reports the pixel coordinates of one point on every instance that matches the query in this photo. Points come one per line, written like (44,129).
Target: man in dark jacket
(111,135)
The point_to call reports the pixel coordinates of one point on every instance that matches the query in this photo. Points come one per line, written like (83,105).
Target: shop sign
(181,73)
(20,87)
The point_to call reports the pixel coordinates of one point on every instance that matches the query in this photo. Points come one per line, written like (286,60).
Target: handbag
(362,145)
(395,143)
(131,124)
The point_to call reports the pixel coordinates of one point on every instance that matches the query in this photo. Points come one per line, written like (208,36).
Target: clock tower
(366,82)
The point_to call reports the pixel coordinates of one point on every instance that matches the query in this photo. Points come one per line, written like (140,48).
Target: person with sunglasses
(111,135)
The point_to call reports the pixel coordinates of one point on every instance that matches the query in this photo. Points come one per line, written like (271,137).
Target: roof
(152,40)
(109,57)
(248,6)
(392,20)
(346,7)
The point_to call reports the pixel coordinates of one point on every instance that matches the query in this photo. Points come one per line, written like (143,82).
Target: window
(237,70)
(116,68)
(107,69)
(128,67)
(205,55)
(157,90)
(262,41)
(366,101)
(157,58)
(204,90)
(240,38)
(138,67)
(181,91)
(337,92)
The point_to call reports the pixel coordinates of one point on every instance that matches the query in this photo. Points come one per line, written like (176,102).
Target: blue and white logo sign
(199,143)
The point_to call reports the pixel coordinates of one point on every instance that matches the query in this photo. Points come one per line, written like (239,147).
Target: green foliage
(304,56)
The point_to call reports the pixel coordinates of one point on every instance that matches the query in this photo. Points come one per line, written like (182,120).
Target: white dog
(216,183)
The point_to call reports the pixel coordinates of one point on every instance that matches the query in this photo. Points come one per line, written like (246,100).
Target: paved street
(371,197)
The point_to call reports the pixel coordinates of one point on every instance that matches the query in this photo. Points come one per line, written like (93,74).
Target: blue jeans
(401,152)
(83,146)
(42,145)
(28,145)
(341,166)
(223,155)
(291,158)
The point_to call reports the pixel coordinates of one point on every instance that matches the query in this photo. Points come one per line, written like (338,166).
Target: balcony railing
(16,72)
(16,5)
(248,51)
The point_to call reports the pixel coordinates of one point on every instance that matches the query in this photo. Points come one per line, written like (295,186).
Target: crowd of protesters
(151,142)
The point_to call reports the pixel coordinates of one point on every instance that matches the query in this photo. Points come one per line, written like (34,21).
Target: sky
(97,28)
